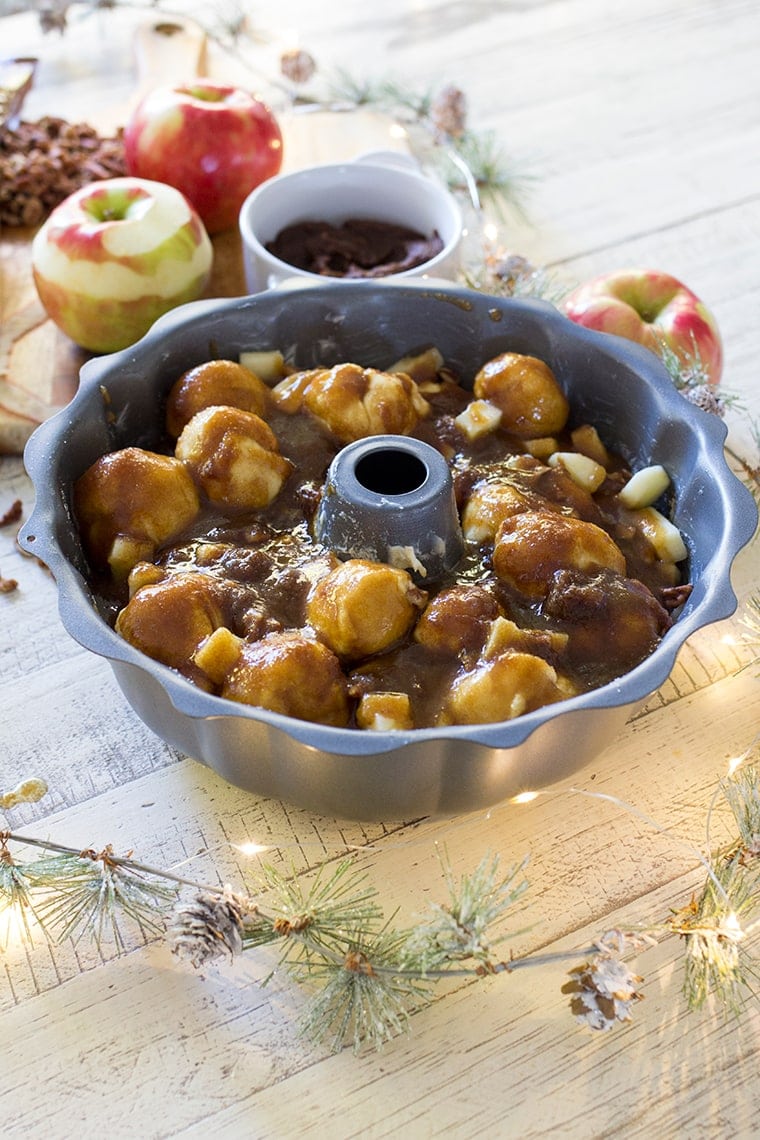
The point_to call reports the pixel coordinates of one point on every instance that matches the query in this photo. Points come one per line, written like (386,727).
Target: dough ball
(354,402)
(531,547)
(169,619)
(457,620)
(501,689)
(362,607)
(291,674)
(490,503)
(216,382)
(525,390)
(129,503)
(234,456)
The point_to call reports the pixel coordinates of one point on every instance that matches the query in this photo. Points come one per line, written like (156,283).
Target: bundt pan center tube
(381,775)
(391,499)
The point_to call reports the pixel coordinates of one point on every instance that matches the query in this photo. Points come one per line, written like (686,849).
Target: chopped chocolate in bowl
(358,247)
(375,218)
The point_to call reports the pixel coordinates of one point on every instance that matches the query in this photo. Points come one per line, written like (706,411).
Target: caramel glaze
(265,562)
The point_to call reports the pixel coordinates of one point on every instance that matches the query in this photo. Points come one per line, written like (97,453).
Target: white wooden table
(641,126)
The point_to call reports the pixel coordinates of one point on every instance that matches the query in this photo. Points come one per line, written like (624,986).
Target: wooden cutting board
(39,366)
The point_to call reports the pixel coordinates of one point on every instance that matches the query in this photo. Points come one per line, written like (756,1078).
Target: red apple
(114,256)
(648,306)
(213,142)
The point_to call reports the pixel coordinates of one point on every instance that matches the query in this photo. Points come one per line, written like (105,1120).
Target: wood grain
(640,124)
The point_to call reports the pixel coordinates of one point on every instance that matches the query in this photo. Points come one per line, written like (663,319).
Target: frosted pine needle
(365,996)
(686,369)
(718,960)
(15,895)
(461,930)
(321,914)
(715,964)
(90,893)
(742,793)
(750,619)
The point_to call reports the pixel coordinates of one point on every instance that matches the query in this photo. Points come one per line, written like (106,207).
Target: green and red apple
(650,307)
(216,143)
(115,256)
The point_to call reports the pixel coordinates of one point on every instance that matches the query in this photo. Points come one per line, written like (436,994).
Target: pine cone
(207,927)
(448,112)
(297,65)
(706,398)
(603,991)
(512,268)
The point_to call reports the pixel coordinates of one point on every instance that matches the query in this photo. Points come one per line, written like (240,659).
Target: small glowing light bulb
(250,849)
(734,763)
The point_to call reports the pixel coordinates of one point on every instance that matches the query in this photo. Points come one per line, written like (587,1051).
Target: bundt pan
(621,388)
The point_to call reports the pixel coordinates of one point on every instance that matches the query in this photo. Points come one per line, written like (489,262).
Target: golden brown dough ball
(213,383)
(363,607)
(291,674)
(525,390)
(171,618)
(354,402)
(531,547)
(489,504)
(234,456)
(501,689)
(457,620)
(129,503)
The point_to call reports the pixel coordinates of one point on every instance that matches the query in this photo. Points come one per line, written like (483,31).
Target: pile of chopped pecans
(42,162)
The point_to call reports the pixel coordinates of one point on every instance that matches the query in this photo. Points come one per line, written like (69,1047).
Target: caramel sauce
(266,562)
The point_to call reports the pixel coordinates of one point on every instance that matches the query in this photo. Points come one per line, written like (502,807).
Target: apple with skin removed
(213,142)
(649,307)
(114,256)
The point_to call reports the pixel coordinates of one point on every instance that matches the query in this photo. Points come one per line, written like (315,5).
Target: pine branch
(370,977)
(460,931)
(717,962)
(90,892)
(365,996)
(16,888)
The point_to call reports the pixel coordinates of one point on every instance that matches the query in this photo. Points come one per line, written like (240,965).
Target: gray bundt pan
(621,388)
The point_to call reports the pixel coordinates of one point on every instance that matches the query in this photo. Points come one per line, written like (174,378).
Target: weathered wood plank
(640,123)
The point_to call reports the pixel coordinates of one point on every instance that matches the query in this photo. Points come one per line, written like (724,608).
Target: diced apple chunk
(586,439)
(583,471)
(289,392)
(423,367)
(505,634)
(542,447)
(479,418)
(664,536)
(218,653)
(385,712)
(645,487)
(126,551)
(269,366)
(144,574)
